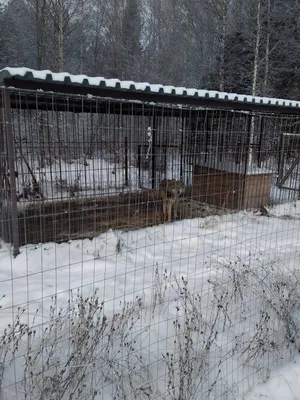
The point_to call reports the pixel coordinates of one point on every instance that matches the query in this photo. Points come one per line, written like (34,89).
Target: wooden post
(12,173)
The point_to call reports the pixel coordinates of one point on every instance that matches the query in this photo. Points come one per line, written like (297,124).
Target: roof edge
(7,75)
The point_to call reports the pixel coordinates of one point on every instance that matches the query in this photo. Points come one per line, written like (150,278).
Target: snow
(200,249)
(154,88)
(291,134)
(287,210)
(179,90)
(97,176)
(192,92)
(90,177)
(22,71)
(230,166)
(282,385)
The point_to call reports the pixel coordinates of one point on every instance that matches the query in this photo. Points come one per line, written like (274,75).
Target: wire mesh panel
(147,251)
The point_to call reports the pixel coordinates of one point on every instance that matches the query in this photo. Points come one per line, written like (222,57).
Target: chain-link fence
(148,251)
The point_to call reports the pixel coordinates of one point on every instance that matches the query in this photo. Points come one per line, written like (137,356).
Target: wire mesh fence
(148,251)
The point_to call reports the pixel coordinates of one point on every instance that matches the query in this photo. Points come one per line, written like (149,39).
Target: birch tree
(257,48)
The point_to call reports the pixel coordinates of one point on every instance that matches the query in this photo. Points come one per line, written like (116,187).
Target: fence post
(12,173)
(3,153)
(248,158)
(182,160)
(126,161)
(139,165)
(261,126)
(154,131)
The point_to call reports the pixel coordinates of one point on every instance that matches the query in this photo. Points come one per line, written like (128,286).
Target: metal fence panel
(147,251)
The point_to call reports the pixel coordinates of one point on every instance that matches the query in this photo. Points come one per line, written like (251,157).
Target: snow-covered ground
(286,210)
(82,177)
(283,384)
(99,177)
(243,266)
(93,177)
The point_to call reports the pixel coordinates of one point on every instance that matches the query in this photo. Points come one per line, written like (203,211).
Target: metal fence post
(248,158)
(3,231)
(154,150)
(12,173)
(126,161)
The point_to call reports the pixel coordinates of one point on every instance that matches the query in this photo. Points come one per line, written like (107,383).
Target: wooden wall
(87,217)
(230,190)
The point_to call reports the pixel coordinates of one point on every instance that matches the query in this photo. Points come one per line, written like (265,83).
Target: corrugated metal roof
(65,78)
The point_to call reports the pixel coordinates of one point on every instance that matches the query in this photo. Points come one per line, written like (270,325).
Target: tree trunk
(266,74)
(187,49)
(60,36)
(254,80)
(256,51)
(40,12)
(222,45)
(221,11)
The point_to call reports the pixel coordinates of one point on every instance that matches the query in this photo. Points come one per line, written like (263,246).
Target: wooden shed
(231,186)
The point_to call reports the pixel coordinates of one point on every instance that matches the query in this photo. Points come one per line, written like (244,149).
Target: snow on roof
(232,167)
(94,82)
